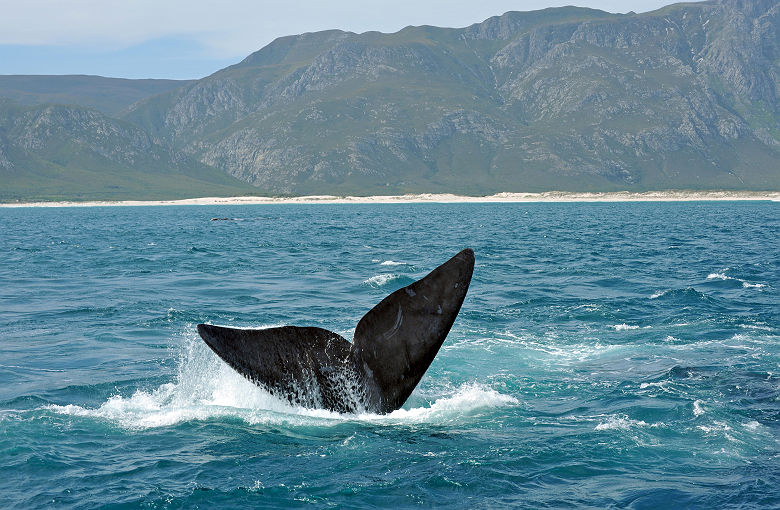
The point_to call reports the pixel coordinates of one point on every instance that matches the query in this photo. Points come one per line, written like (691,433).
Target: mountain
(108,95)
(565,98)
(55,152)
(569,98)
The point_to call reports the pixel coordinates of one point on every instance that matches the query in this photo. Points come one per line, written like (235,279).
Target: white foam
(755,326)
(619,423)
(698,410)
(577,352)
(658,294)
(469,398)
(624,327)
(381,279)
(548,348)
(588,307)
(392,263)
(745,284)
(716,427)
(206,388)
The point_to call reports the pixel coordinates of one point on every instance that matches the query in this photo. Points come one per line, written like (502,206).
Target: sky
(185,39)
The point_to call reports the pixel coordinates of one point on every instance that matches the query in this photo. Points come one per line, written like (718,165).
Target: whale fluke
(393,346)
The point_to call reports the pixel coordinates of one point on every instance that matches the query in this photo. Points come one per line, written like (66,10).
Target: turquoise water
(619,355)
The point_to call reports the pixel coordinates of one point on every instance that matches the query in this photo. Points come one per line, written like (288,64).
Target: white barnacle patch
(410,292)
(438,309)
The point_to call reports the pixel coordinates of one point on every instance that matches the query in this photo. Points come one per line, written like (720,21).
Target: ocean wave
(550,347)
(206,388)
(469,398)
(619,422)
(759,327)
(717,427)
(31,368)
(752,347)
(656,384)
(381,280)
(392,263)
(745,283)
(624,327)
(737,432)
(687,294)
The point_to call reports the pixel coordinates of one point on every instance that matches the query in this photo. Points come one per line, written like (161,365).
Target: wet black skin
(394,344)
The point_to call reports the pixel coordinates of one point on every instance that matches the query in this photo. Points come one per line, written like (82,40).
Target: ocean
(607,355)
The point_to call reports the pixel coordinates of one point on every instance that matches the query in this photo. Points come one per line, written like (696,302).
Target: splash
(468,399)
(206,388)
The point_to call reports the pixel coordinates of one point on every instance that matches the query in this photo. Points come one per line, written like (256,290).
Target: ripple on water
(607,356)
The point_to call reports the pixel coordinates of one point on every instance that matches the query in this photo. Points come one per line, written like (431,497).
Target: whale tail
(311,367)
(393,346)
(397,340)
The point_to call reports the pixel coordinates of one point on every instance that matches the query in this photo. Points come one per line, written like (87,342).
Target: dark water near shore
(620,355)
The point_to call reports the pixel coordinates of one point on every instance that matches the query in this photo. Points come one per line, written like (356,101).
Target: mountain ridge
(563,98)
(107,95)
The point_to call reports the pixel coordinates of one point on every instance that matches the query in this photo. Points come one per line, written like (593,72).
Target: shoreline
(506,197)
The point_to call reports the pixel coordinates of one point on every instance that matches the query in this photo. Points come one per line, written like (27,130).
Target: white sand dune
(549,196)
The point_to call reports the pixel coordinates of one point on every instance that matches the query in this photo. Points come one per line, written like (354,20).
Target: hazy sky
(193,38)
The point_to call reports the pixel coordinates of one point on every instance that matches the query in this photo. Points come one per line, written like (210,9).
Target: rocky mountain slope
(683,97)
(565,98)
(69,152)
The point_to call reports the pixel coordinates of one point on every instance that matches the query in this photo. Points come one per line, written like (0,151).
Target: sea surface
(607,355)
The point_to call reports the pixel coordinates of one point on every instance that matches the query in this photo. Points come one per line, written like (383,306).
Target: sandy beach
(550,196)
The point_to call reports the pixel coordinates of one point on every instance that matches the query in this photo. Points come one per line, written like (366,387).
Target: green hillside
(73,153)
